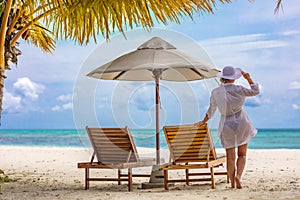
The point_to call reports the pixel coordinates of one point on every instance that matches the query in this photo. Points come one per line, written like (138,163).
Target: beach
(52,173)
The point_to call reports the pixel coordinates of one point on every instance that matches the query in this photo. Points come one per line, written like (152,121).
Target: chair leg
(87,176)
(213,186)
(119,177)
(187,176)
(166,179)
(129,179)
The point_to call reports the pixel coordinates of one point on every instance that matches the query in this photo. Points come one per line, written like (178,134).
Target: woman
(235,129)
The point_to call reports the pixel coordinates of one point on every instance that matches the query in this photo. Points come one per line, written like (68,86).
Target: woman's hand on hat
(246,75)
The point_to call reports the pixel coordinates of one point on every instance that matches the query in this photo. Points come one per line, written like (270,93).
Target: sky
(53,91)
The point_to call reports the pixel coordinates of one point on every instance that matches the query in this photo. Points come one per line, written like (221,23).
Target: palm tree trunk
(2,78)
(3,29)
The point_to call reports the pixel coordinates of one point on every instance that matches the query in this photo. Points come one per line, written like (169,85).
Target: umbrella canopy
(155,54)
(156,59)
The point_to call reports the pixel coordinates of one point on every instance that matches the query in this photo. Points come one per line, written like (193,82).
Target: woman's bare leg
(230,155)
(240,163)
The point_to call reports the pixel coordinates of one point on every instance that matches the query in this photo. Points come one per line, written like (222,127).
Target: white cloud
(64,98)
(239,43)
(296,107)
(253,102)
(143,98)
(68,105)
(290,32)
(11,103)
(56,108)
(28,88)
(24,97)
(258,100)
(249,49)
(295,85)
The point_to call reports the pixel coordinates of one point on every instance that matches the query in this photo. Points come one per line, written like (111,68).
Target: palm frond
(83,19)
(42,38)
(278,6)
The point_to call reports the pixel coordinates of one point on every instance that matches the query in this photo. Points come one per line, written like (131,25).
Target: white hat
(230,73)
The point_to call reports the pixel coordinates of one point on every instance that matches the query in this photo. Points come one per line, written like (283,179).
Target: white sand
(52,173)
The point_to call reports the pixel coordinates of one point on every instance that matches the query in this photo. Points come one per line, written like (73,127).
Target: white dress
(235,128)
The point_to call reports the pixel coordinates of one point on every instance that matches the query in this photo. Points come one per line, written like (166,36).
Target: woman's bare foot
(232,181)
(232,185)
(238,183)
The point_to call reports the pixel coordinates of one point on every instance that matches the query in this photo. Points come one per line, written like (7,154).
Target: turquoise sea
(265,139)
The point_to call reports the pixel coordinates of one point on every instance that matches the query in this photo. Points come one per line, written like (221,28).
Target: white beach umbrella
(154,60)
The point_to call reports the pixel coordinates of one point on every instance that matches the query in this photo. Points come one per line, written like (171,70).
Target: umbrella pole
(157,74)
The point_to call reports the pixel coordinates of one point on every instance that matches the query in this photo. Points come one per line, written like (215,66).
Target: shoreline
(52,173)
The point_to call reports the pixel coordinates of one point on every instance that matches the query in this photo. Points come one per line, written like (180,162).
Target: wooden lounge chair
(114,148)
(191,148)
